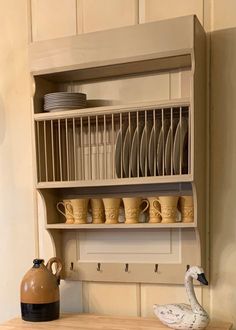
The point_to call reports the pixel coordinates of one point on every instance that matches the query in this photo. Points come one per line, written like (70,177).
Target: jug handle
(58,268)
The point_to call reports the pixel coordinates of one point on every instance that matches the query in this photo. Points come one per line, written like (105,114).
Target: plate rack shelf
(141,134)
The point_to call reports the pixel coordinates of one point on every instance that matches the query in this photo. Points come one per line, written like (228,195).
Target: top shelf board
(154,46)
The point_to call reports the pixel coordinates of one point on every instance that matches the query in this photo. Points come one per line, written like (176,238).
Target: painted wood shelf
(122,181)
(119,226)
(147,72)
(181,102)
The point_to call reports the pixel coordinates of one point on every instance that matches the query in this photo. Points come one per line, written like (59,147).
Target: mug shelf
(119,226)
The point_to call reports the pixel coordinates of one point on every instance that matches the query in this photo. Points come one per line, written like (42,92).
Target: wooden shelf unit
(128,56)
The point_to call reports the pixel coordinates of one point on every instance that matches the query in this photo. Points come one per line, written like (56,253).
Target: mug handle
(58,208)
(155,203)
(58,267)
(147,205)
(69,210)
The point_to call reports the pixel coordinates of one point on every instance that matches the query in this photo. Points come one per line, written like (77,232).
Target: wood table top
(98,322)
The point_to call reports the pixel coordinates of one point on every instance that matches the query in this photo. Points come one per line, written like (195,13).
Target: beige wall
(223,161)
(57,18)
(16,194)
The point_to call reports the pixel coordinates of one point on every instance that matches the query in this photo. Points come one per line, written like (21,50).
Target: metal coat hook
(99,267)
(156,268)
(187,267)
(126,268)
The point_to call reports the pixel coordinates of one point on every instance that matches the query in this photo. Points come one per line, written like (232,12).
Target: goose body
(183,316)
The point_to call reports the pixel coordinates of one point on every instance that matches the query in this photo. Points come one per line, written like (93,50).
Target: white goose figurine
(183,316)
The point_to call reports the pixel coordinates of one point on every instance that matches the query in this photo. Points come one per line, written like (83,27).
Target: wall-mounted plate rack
(141,134)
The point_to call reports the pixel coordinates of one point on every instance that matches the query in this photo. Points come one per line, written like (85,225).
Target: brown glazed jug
(40,299)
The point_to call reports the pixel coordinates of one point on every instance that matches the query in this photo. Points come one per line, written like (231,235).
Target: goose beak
(201,278)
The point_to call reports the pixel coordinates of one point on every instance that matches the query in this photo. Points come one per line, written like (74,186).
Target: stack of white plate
(64,101)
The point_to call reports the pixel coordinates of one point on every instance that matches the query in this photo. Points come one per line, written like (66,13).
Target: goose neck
(196,307)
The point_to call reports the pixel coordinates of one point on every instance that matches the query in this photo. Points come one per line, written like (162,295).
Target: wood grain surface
(98,322)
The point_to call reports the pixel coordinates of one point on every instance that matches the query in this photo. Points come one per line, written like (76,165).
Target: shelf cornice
(142,42)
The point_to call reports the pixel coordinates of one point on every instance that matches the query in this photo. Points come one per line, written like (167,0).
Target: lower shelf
(120,226)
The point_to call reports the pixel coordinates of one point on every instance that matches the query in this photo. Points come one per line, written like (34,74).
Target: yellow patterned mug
(154,210)
(168,205)
(65,208)
(133,208)
(112,208)
(97,210)
(186,208)
(79,210)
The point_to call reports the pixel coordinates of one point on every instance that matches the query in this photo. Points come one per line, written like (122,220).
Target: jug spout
(37,263)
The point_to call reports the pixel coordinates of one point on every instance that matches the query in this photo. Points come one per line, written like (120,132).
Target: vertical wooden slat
(97,151)
(180,145)
(154,143)
(189,140)
(82,150)
(59,148)
(171,142)
(146,142)
(53,153)
(122,138)
(105,146)
(67,152)
(74,150)
(89,150)
(163,142)
(113,146)
(129,141)
(38,152)
(45,150)
(138,139)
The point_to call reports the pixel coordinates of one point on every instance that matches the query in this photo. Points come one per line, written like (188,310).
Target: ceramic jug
(40,291)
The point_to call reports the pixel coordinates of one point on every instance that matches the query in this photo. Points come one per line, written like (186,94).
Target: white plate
(64,109)
(118,151)
(134,150)
(154,135)
(144,148)
(161,144)
(181,144)
(126,152)
(127,149)
(168,151)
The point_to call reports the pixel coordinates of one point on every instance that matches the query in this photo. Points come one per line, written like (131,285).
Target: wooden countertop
(98,322)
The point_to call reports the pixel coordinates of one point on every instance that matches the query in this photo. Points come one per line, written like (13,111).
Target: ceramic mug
(112,208)
(67,210)
(186,208)
(133,208)
(97,210)
(79,210)
(154,210)
(168,205)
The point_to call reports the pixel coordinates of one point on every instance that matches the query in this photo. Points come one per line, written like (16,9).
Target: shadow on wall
(223,169)
(71,297)
(2,121)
